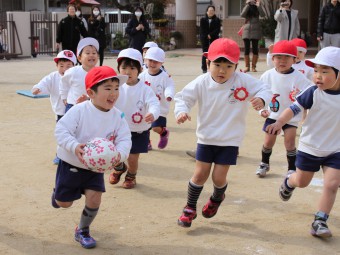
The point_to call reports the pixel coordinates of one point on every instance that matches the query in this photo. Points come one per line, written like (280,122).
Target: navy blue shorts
(71,182)
(310,163)
(140,142)
(160,122)
(68,107)
(222,155)
(271,121)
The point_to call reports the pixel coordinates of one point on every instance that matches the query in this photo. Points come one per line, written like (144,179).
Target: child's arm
(185,100)
(44,86)
(276,127)
(65,84)
(169,91)
(270,63)
(152,106)
(123,139)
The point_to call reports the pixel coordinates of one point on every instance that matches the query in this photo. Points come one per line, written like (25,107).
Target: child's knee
(64,204)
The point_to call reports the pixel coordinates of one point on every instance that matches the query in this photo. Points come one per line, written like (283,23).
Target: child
(319,144)
(96,117)
(147,46)
(141,107)
(72,86)
(50,84)
(164,88)
(300,64)
(285,82)
(223,96)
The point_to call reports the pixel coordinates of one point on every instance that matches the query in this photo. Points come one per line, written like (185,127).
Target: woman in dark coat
(252,32)
(96,24)
(138,30)
(210,27)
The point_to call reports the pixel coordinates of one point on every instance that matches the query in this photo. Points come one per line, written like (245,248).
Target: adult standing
(288,25)
(80,16)
(138,30)
(96,24)
(252,31)
(328,33)
(210,27)
(69,30)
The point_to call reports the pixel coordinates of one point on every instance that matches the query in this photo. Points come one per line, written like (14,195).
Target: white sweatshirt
(50,85)
(135,102)
(72,84)
(163,86)
(222,108)
(84,122)
(282,87)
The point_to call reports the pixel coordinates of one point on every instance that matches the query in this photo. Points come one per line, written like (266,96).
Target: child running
(223,97)
(96,117)
(141,107)
(72,85)
(163,86)
(50,84)
(285,83)
(319,144)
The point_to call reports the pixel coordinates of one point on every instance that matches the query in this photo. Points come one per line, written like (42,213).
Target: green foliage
(120,42)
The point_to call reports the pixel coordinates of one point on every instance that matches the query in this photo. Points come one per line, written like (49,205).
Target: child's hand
(80,151)
(270,48)
(117,162)
(264,113)
(169,99)
(82,98)
(257,103)
(274,128)
(36,91)
(149,118)
(183,117)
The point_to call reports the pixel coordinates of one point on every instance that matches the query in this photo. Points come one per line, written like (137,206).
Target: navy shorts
(71,182)
(160,122)
(140,142)
(222,155)
(271,121)
(68,107)
(310,163)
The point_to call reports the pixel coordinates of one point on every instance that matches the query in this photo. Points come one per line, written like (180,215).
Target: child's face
(153,66)
(324,77)
(131,71)
(283,63)
(88,57)
(144,51)
(300,56)
(62,66)
(106,96)
(221,72)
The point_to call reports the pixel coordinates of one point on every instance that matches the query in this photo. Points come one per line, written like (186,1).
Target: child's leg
(130,178)
(289,141)
(269,141)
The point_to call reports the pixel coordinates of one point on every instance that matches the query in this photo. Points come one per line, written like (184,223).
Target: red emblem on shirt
(148,83)
(137,118)
(241,94)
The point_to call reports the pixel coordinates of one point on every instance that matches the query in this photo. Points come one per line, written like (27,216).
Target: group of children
(124,108)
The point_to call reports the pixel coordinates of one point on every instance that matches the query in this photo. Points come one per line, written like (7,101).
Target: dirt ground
(251,220)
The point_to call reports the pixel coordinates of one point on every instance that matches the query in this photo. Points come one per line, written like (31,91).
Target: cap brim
(223,56)
(284,54)
(122,79)
(314,61)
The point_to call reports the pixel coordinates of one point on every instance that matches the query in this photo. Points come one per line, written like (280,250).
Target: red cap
(300,44)
(285,47)
(102,73)
(223,48)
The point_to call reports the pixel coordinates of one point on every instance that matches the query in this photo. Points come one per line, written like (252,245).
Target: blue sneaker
(83,237)
(53,202)
(56,160)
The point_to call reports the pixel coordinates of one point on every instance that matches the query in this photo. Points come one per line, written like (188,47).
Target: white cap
(132,54)
(66,54)
(150,44)
(156,54)
(86,42)
(328,56)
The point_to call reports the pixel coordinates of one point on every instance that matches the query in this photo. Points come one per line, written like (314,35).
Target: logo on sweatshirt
(274,105)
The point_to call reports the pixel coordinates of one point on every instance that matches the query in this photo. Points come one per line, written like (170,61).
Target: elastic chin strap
(337,78)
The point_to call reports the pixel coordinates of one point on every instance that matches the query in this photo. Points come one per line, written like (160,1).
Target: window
(235,7)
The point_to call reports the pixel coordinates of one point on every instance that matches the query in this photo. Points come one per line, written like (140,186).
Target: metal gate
(42,29)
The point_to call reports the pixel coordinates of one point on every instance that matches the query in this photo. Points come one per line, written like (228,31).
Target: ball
(100,155)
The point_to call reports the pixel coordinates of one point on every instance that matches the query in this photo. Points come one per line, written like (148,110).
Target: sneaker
(114,177)
(56,160)
(320,229)
(53,202)
(188,215)
(210,208)
(262,170)
(83,237)
(163,141)
(149,146)
(129,183)
(285,192)
(191,153)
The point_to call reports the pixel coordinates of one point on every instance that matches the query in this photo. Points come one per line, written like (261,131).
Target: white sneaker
(262,170)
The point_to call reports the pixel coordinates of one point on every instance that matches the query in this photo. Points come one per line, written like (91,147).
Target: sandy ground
(251,220)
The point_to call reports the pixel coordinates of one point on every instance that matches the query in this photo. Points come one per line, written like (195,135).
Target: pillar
(186,22)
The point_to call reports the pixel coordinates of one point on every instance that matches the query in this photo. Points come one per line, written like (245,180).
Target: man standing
(329,24)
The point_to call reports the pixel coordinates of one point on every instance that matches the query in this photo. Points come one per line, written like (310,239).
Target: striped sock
(291,157)
(266,153)
(218,193)
(194,192)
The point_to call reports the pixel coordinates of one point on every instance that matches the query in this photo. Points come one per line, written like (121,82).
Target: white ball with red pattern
(100,155)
